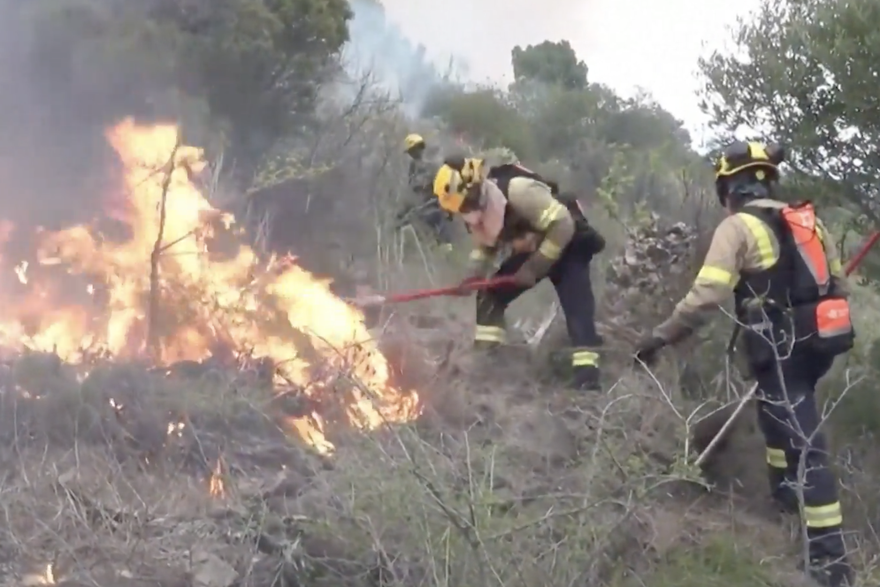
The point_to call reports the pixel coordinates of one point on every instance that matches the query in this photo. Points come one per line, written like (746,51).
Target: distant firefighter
(422,205)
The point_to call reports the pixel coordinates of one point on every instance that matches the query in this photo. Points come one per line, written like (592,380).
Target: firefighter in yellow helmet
(780,265)
(545,234)
(422,205)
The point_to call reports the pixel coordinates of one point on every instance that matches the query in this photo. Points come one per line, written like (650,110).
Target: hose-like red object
(420,294)
(862,252)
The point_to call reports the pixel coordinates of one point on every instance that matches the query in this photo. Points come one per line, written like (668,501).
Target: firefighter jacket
(420,181)
(771,257)
(529,209)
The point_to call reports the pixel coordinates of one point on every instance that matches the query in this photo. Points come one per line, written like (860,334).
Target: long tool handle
(719,436)
(722,432)
(862,252)
(476,285)
(421,294)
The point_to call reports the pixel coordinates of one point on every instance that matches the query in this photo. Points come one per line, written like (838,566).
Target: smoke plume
(381,48)
(484,33)
(62,88)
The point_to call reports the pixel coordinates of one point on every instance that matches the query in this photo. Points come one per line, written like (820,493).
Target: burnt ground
(189,476)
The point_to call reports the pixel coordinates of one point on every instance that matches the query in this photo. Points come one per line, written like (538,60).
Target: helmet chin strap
(752,189)
(740,192)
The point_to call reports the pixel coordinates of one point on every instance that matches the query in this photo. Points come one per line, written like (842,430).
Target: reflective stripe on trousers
(581,357)
(571,279)
(776,458)
(490,334)
(789,420)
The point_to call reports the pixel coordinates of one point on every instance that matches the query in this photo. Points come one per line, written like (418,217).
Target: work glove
(463,290)
(647,349)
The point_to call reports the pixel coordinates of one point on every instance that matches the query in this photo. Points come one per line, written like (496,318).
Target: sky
(625,43)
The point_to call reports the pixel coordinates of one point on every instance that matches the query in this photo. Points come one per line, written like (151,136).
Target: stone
(209,570)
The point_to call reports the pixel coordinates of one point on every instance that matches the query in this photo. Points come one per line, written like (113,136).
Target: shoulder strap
(504,173)
(801,222)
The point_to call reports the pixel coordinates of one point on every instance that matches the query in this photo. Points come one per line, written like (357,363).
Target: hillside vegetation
(184,405)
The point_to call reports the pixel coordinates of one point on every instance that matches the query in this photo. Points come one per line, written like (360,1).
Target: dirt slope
(136,477)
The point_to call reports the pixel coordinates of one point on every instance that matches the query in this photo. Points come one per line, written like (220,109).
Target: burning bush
(162,276)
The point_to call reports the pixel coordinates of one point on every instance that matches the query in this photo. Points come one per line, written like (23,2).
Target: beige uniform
(533,203)
(741,242)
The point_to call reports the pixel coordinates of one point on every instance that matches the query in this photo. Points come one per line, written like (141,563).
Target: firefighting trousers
(571,279)
(797,453)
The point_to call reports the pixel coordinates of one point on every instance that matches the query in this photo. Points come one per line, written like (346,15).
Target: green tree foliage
(553,118)
(256,64)
(804,72)
(484,116)
(89,54)
(550,63)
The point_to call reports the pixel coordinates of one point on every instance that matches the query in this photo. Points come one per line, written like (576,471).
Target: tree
(255,66)
(641,122)
(629,152)
(805,72)
(485,117)
(97,60)
(258,63)
(550,63)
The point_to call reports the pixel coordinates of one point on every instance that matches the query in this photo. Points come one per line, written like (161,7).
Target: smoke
(484,33)
(62,86)
(381,48)
(65,79)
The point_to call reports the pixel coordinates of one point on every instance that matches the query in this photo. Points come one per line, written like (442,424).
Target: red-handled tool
(862,252)
(421,294)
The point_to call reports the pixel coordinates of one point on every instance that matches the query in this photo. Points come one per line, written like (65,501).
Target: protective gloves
(647,349)
(463,289)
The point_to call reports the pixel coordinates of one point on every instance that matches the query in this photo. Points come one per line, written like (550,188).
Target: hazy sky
(625,43)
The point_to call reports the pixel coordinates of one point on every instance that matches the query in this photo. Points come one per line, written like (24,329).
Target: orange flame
(216,485)
(88,294)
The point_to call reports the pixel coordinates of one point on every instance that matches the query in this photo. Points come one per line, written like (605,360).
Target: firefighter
(423,205)
(546,235)
(790,296)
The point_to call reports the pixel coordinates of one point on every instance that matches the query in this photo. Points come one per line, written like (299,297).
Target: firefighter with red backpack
(790,296)
(510,209)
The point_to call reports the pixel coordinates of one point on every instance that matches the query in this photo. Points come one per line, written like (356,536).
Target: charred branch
(153,342)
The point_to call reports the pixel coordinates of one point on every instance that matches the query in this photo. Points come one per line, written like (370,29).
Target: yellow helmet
(762,160)
(453,181)
(741,155)
(412,141)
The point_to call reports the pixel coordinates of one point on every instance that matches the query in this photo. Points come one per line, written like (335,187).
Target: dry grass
(503,481)
(135,477)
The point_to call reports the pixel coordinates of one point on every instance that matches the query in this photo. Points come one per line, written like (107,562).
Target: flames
(117,289)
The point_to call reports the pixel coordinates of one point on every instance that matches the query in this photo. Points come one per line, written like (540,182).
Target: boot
(828,562)
(782,492)
(486,346)
(587,378)
(836,573)
(486,337)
